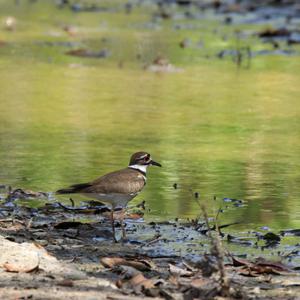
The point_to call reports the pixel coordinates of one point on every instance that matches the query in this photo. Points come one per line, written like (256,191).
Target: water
(216,129)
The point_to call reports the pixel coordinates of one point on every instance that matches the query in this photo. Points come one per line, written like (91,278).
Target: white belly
(114,199)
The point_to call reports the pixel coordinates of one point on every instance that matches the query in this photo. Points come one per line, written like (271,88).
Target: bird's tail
(76,188)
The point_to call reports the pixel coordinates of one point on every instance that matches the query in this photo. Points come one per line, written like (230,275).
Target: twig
(152,240)
(217,252)
(72,202)
(28,226)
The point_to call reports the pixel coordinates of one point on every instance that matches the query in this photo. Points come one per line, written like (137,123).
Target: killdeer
(117,188)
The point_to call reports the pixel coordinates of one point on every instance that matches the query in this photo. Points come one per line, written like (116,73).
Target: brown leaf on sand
(21,267)
(142,265)
(110,262)
(141,280)
(174,270)
(200,282)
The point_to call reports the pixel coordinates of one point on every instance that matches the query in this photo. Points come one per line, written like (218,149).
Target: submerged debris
(24,194)
(162,65)
(271,32)
(295,232)
(88,53)
(271,237)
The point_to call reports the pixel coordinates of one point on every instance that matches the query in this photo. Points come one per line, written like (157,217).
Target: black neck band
(140,171)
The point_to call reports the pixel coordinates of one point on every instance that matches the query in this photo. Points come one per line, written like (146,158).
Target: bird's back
(125,181)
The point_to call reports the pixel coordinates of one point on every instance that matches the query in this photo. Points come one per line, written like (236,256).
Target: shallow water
(216,129)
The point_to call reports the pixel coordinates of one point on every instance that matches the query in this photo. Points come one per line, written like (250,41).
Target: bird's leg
(113,224)
(122,224)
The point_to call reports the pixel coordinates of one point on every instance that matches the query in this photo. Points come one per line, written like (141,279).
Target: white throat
(142,168)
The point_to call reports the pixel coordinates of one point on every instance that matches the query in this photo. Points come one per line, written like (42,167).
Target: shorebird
(117,188)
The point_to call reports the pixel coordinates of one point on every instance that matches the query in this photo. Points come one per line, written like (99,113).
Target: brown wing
(75,188)
(125,181)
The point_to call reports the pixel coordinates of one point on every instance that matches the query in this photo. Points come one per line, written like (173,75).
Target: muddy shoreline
(49,250)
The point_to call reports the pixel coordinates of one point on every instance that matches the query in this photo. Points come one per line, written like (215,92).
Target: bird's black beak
(154,163)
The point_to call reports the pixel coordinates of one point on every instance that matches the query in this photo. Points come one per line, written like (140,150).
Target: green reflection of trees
(216,131)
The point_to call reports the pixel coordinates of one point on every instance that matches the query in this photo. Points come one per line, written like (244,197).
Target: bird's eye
(145,158)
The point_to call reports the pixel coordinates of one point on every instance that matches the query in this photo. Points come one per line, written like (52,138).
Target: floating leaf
(295,232)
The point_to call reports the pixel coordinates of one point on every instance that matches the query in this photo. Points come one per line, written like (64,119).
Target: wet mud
(69,251)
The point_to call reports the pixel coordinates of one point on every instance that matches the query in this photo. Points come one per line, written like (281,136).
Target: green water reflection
(216,130)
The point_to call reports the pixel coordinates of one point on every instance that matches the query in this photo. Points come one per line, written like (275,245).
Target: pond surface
(217,129)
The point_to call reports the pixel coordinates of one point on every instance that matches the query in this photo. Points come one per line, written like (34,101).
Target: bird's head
(142,159)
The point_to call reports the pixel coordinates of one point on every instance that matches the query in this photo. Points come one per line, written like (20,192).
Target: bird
(117,188)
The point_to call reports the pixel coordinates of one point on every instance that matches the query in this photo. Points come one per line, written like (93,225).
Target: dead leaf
(247,272)
(173,280)
(21,267)
(200,282)
(134,216)
(141,280)
(189,267)
(119,283)
(174,270)
(142,265)
(260,266)
(272,266)
(238,262)
(13,226)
